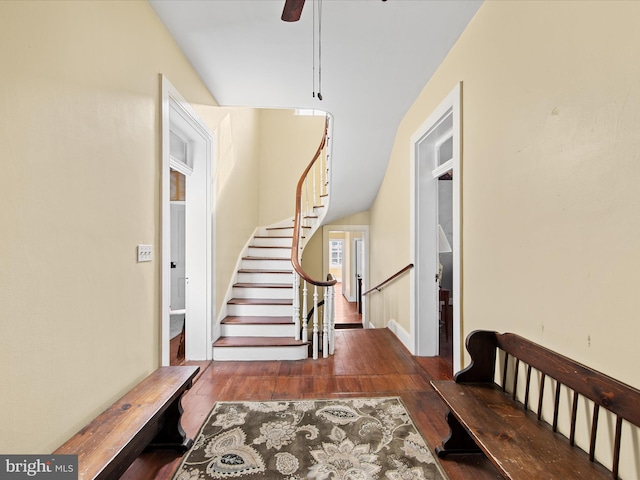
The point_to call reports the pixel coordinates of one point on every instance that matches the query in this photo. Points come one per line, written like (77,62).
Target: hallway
(347,315)
(367,362)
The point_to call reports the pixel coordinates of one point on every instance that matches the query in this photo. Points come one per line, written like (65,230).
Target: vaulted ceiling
(376,56)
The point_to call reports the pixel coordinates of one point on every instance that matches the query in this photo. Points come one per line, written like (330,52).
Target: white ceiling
(376,58)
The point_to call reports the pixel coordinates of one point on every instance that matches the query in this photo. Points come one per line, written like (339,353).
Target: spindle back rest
(622,400)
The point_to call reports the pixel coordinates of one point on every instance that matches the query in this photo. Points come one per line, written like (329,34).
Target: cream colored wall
(80,127)
(312,259)
(361,218)
(550,173)
(287,145)
(236,180)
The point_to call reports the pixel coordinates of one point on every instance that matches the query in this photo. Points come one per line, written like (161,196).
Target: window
(310,112)
(335,247)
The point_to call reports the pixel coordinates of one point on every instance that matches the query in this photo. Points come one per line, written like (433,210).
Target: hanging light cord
(319,49)
(313,49)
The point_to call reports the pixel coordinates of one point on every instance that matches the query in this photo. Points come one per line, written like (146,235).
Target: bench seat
(514,440)
(148,416)
(497,406)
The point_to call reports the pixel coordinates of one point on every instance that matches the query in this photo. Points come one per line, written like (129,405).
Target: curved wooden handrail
(330,277)
(297,219)
(392,277)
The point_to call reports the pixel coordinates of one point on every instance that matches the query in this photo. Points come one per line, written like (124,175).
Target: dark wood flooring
(346,312)
(367,362)
(176,354)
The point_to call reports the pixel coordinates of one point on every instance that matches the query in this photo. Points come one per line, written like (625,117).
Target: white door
(426,257)
(178,256)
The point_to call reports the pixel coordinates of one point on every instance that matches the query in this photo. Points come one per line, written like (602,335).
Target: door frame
(425,324)
(178,113)
(326,229)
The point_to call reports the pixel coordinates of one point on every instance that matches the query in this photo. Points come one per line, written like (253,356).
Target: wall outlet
(144,253)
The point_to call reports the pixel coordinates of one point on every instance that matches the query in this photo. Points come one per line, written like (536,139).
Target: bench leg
(171,435)
(458,440)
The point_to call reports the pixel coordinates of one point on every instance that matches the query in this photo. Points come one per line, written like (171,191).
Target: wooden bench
(490,412)
(147,417)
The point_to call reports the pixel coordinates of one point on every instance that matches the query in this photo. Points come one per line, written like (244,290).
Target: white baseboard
(401,333)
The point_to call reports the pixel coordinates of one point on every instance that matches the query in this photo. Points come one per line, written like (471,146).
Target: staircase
(259,323)
(265,319)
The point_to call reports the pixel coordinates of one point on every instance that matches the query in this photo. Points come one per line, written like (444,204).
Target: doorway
(345,250)
(187,148)
(177,307)
(435,161)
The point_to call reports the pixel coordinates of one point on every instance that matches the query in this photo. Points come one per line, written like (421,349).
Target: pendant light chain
(317,7)
(319,49)
(313,49)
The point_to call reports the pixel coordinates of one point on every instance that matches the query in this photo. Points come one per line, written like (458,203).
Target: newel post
(305,333)
(296,304)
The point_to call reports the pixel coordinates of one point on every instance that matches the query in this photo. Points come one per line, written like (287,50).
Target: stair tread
(263,285)
(258,321)
(258,342)
(265,258)
(270,246)
(260,301)
(272,236)
(284,228)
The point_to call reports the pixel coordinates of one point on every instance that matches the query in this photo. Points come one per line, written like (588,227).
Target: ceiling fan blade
(292,10)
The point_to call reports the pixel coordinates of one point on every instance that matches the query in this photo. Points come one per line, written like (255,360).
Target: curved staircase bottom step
(257,320)
(258,342)
(259,349)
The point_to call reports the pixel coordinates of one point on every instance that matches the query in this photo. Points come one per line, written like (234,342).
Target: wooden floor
(346,312)
(367,362)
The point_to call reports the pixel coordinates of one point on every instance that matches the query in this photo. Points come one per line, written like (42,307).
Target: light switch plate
(144,253)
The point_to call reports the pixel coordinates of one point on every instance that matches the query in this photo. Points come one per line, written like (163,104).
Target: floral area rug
(350,439)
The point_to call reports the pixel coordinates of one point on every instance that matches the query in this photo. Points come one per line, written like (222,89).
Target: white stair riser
(273,242)
(260,353)
(269,252)
(256,292)
(259,310)
(265,277)
(280,232)
(284,264)
(260,330)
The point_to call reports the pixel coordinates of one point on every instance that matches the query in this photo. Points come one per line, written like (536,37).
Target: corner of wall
(401,333)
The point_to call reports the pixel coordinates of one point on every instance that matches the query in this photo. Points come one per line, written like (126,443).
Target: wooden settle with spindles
(488,411)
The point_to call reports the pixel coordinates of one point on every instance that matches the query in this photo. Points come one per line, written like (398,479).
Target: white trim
(442,169)
(365,260)
(180,166)
(400,333)
(445,136)
(176,109)
(452,102)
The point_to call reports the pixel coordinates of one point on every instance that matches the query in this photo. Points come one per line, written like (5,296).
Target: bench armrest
(481,345)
